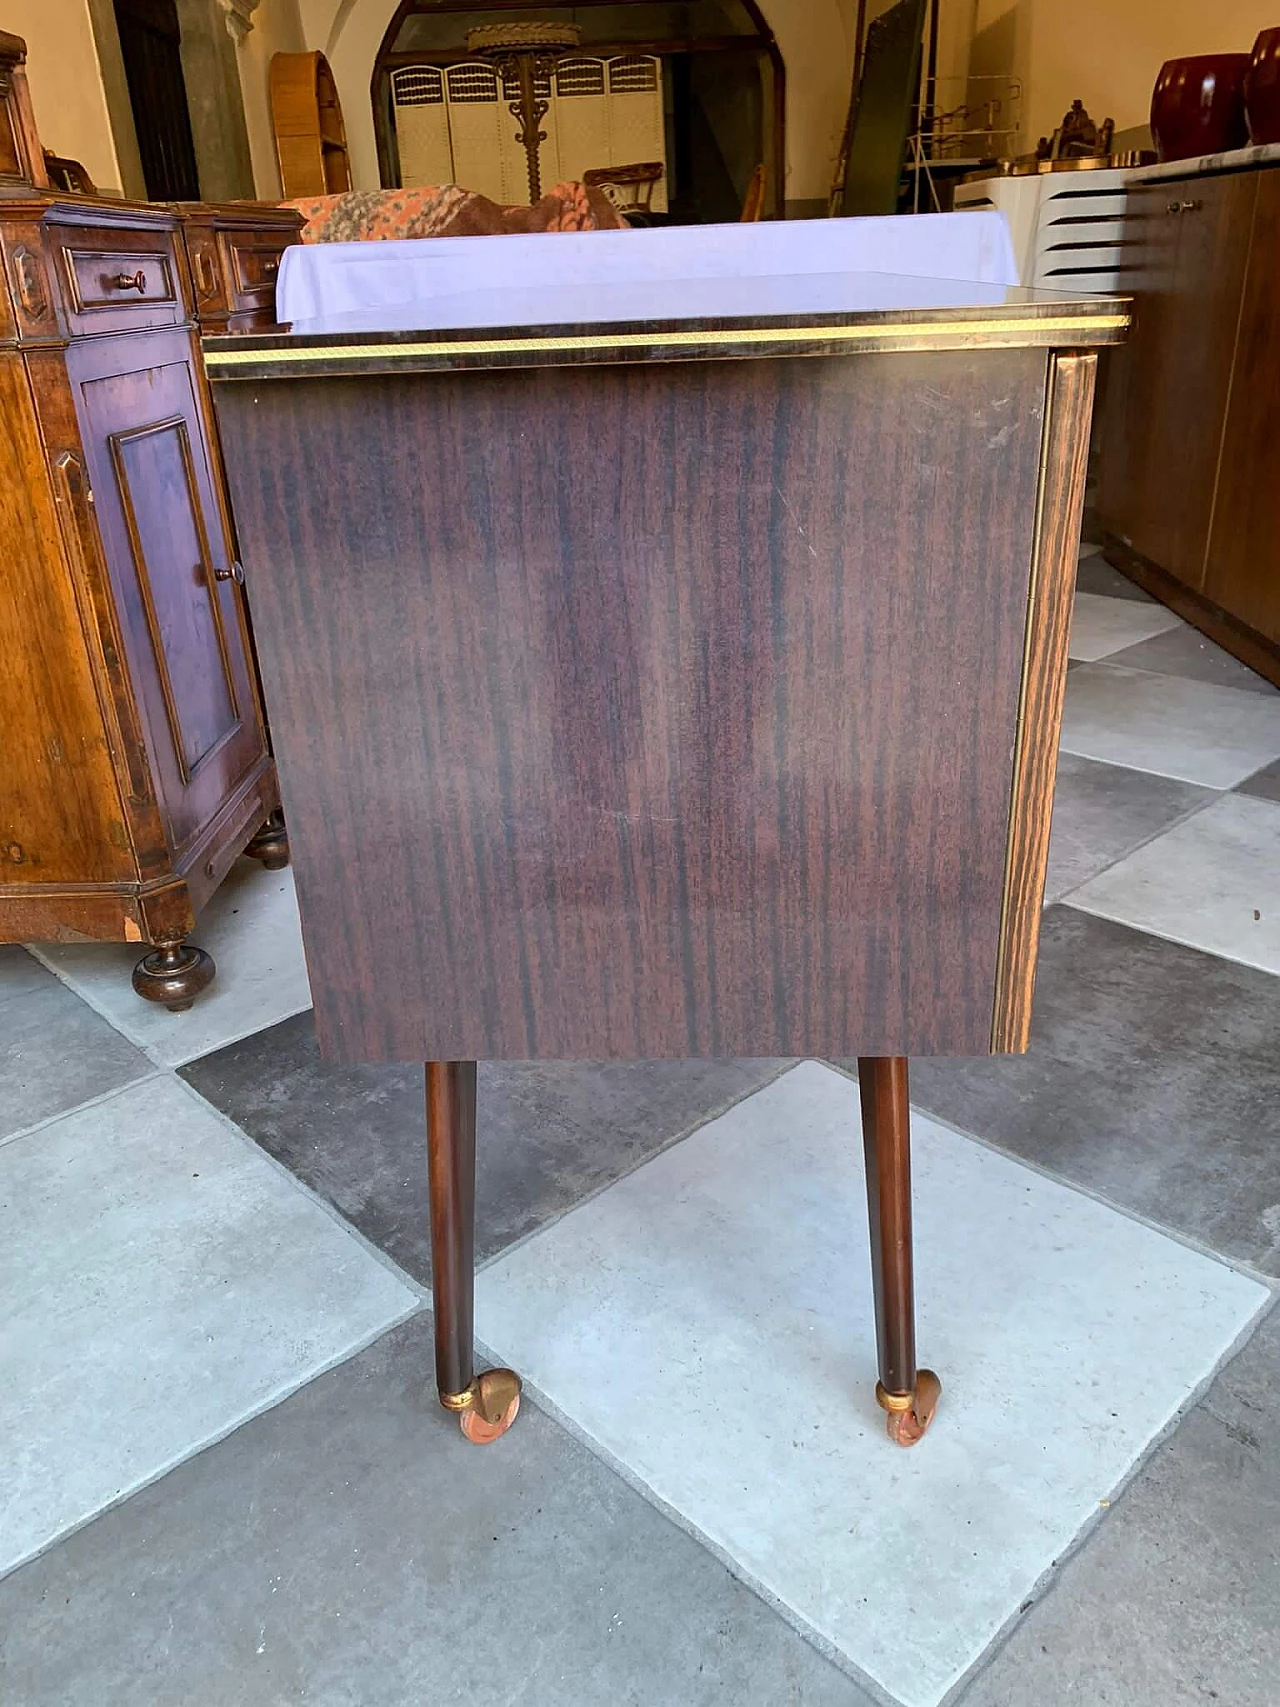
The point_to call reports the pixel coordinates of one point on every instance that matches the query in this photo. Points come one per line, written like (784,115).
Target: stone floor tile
(1184,651)
(1095,575)
(1172,1602)
(548,1133)
(1212,882)
(55,1052)
(1101,625)
(1264,783)
(707,1322)
(1153,1078)
(20,972)
(1180,728)
(349,1549)
(1102,812)
(161,1280)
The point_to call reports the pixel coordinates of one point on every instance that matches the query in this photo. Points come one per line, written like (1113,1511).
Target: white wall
(815,38)
(277,28)
(1106,53)
(66,85)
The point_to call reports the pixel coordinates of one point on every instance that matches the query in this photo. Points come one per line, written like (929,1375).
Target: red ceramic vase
(1197,106)
(1262,89)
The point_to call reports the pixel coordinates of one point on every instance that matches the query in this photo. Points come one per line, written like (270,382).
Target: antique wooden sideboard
(135,765)
(1189,496)
(703,677)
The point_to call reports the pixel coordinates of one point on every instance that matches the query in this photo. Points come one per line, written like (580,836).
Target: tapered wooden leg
(908,1395)
(487,1403)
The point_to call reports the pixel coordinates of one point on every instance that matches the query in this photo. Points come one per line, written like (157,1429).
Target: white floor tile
(1176,727)
(159,1281)
(707,1321)
(1212,882)
(1100,625)
(251,929)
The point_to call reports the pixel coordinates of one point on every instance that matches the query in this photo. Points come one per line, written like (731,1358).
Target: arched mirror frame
(388,60)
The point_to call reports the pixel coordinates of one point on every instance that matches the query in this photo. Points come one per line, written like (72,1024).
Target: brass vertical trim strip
(1015,775)
(1059,502)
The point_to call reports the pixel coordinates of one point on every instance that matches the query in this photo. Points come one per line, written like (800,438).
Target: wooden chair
(68,175)
(753,203)
(629,188)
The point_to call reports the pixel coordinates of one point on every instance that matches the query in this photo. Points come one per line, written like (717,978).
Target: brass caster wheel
(488,1407)
(174,975)
(908,1415)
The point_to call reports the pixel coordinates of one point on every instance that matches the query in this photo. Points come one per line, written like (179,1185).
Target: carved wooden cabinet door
(175,585)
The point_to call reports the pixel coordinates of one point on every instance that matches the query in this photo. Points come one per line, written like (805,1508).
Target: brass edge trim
(1019,739)
(871,335)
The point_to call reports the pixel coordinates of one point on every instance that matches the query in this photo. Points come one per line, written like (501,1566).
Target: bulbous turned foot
(488,1407)
(173,974)
(270,843)
(908,1415)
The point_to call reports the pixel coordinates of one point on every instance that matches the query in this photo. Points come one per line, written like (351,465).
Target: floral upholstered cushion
(446,210)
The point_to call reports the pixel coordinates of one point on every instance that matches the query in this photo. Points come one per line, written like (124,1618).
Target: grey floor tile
(1102,625)
(728,1332)
(348,1549)
(20,973)
(1196,731)
(1095,575)
(1212,882)
(1172,1602)
(549,1132)
(1102,812)
(1265,783)
(55,1052)
(1153,1078)
(160,1280)
(1184,651)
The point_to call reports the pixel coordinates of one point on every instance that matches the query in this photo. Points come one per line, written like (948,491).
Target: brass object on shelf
(1078,136)
(1032,165)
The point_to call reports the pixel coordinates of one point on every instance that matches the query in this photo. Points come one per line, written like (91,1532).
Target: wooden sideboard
(1189,496)
(135,765)
(719,719)
(232,252)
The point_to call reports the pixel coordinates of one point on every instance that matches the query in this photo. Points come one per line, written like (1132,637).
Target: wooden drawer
(252,267)
(207,274)
(117,280)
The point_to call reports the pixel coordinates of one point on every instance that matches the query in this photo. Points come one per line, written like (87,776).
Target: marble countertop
(1266,154)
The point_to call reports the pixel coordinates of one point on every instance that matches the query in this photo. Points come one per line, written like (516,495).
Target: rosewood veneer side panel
(646,711)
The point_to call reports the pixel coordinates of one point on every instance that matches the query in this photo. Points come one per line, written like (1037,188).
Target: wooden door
(180,610)
(1243,569)
(150,44)
(1166,407)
